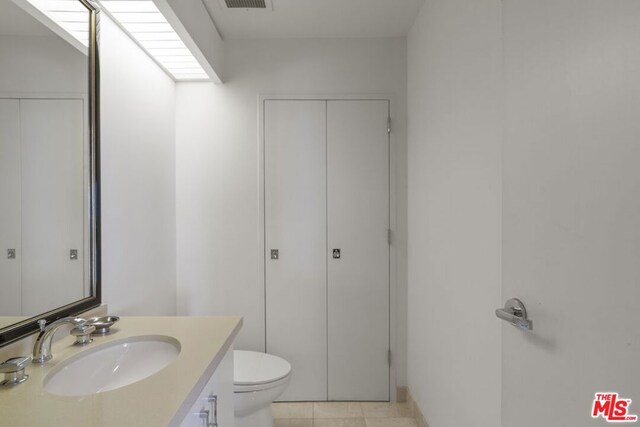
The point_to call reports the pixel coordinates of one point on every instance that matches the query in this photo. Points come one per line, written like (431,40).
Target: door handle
(515,313)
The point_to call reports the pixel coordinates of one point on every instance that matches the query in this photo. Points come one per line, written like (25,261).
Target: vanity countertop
(160,400)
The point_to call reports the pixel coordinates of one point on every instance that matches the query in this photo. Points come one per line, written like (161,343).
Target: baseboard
(415,409)
(401,394)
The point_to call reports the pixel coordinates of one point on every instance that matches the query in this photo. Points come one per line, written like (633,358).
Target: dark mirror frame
(27,327)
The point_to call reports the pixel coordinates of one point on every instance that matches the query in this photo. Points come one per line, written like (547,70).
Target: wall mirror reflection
(46,156)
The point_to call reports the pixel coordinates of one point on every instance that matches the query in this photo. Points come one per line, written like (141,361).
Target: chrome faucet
(42,347)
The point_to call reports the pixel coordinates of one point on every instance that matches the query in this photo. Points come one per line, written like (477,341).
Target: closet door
(10,270)
(358,223)
(295,227)
(52,203)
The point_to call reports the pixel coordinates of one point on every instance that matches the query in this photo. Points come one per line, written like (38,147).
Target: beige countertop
(159,400)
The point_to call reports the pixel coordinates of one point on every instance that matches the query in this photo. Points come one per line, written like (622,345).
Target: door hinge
(389,356)
(389,236)
(389,125)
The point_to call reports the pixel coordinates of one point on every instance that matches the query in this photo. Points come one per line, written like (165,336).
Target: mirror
(49,162)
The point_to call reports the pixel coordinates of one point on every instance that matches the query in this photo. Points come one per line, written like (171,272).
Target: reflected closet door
(52,203)
(10,216)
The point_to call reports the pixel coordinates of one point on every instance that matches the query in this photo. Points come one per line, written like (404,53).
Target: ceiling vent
(247,4)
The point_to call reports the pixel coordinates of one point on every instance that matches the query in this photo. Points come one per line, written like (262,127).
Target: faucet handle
(42,323)
(14,370)
(15,364)
(83,333)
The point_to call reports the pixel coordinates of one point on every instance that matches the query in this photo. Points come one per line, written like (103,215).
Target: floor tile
(390,422)
(292,410)
(339,422)
(337,410)
(293,422)
(386,410)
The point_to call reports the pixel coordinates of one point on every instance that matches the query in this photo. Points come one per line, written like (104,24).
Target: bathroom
(476,264)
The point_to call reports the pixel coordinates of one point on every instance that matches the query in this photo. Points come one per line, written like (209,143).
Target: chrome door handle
(515,313)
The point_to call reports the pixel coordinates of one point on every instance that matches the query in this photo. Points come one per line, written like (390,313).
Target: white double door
(326,246)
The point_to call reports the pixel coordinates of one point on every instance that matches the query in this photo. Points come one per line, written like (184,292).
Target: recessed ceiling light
(148,27)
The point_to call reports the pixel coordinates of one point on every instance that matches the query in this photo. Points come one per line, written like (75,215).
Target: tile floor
(342,414)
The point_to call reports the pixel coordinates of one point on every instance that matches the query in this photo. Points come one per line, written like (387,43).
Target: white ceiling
(317,19)
(15,21)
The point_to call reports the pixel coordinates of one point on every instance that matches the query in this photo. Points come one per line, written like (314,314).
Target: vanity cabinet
(217,394)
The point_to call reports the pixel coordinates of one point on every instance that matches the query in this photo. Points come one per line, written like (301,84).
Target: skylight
(70,15)
(150,29)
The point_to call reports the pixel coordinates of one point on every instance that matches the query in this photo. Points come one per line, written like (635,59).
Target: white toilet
(259,379)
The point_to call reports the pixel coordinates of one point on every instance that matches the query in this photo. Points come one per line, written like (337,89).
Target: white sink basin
(112,365)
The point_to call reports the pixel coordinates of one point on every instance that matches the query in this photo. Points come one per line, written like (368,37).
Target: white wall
(454,52)
(571,202)
(41,64)
(217,164)
(138,178)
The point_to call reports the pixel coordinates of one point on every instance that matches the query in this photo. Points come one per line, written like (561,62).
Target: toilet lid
(250,367)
